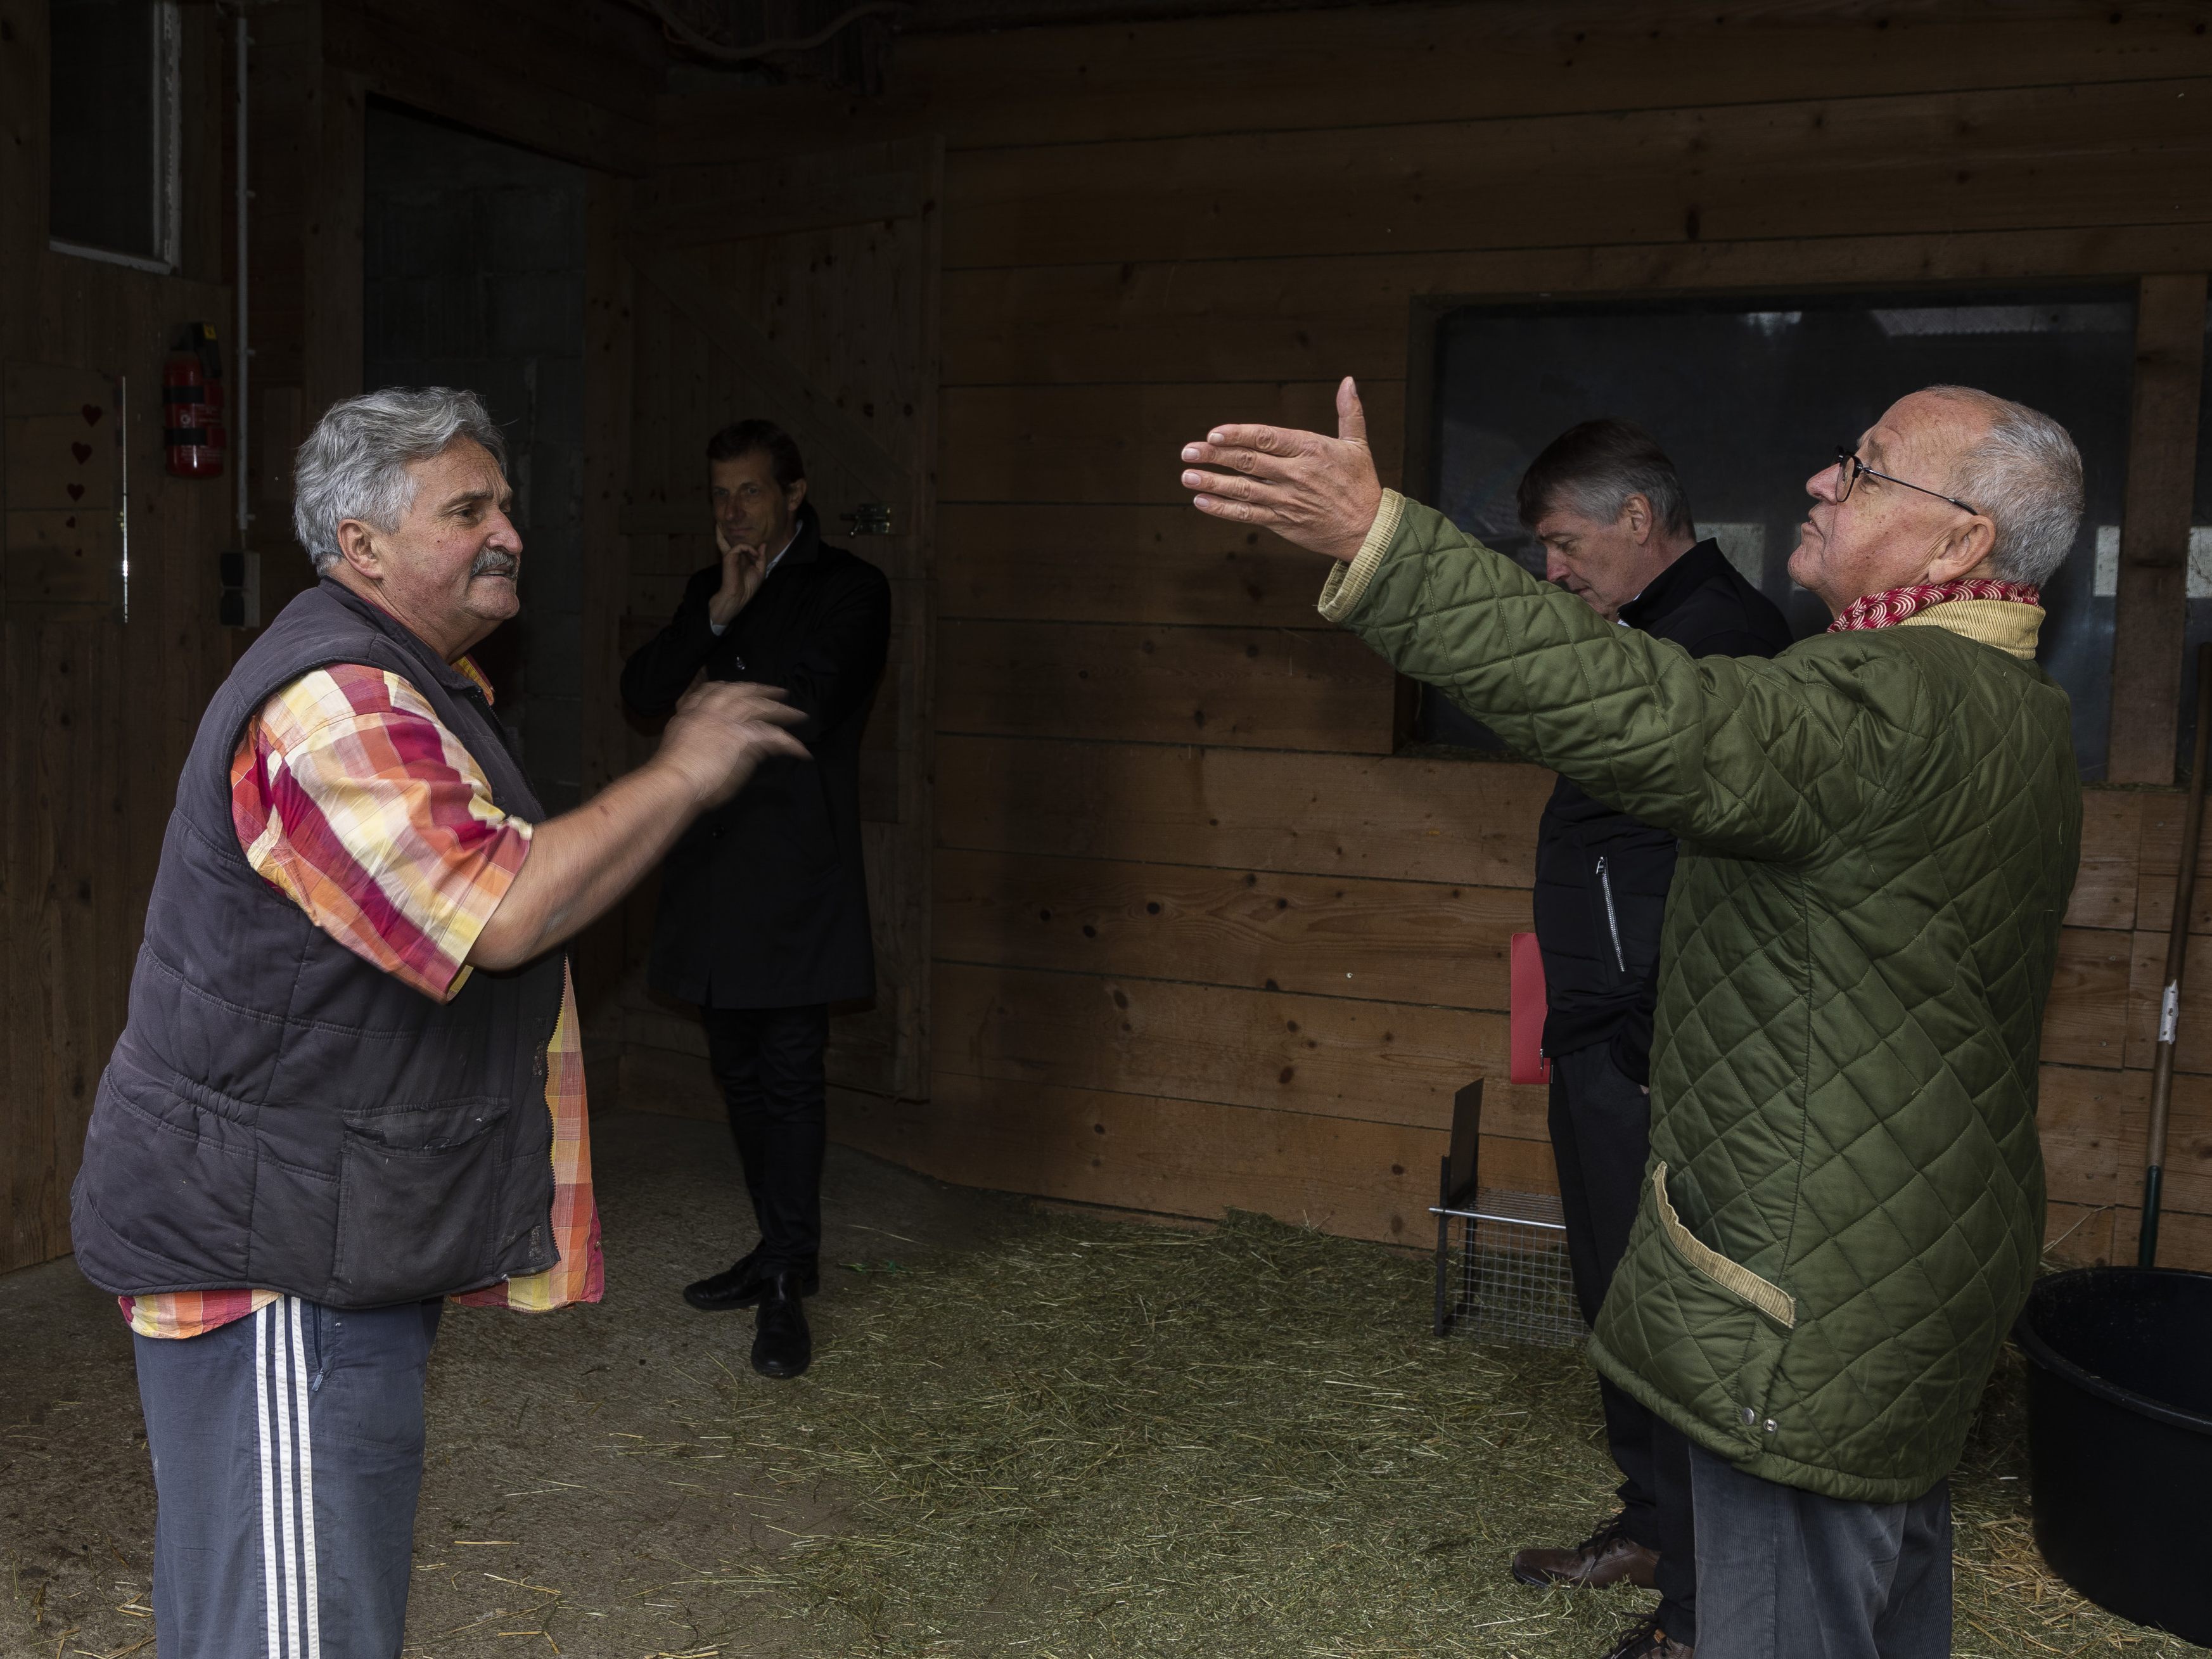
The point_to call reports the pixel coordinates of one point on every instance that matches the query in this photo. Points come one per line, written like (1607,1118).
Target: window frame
(167,160)
(1427,313)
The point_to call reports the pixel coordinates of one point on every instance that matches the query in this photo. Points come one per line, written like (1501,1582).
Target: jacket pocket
(418,1202)
(1605,924)
(1733,1277)
(1678,1319)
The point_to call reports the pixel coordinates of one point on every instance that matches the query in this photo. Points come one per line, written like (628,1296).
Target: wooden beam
(2158,864)
(2115,860)
(1160,563)
(785,385)
(2085,1021)
(1359,1180)
(1350,67)
(1116,446)
(1272,688)
(2091,1122)
(2152,609)
(1327,1056)
(871,184)
(2017,159)
(1395,818)
(515,73)
(1313,316)
(2096,1234)
(1334,936)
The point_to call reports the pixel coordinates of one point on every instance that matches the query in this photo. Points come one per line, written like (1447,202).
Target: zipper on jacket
(1612,919)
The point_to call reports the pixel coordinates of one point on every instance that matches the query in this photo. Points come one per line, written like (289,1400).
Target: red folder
(1529,1065)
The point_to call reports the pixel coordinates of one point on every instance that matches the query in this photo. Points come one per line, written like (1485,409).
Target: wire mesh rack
(1503,1277)
(1502,1270)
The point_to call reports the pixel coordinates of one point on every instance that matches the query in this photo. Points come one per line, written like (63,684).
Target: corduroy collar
(2005,624)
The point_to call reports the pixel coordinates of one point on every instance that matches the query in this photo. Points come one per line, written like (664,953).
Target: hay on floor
(1089,1437)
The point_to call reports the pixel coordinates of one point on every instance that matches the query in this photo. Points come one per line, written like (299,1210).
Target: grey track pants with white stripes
(288,1456)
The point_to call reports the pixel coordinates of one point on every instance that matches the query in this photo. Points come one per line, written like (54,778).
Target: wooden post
(2153,590)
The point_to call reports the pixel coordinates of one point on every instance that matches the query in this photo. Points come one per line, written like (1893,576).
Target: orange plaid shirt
(351,800)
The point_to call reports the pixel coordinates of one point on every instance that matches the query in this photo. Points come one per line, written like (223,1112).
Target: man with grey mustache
(351,1086)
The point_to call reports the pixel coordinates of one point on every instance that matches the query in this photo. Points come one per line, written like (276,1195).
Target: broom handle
(2177,955)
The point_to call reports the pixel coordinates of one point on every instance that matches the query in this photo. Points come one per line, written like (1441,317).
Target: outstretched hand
(1318,492)
(722,731)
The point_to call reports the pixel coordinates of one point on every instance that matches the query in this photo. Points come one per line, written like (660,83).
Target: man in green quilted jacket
(1880,829)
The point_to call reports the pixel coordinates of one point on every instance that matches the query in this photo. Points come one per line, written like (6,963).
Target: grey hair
(354,465)
(1594,468)
(2025,476)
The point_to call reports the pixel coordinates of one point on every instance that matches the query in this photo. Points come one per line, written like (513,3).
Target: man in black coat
(763,917)
(1607,506)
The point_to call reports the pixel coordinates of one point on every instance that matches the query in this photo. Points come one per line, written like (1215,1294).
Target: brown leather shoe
(1648,1640)
(1607,1557)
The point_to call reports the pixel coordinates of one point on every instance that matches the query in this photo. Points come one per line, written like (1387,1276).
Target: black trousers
(1601,1125)
(768,1063)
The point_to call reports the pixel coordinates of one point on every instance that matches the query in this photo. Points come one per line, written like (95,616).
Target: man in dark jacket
(1610,510)
(763,915)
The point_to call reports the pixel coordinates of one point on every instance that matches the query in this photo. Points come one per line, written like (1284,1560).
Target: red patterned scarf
(1885,609)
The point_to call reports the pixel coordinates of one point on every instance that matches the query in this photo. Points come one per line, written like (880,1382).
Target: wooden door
(803,290)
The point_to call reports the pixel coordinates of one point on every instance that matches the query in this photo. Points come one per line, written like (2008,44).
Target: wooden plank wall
(575,80)
(1200,939)
(98,715)
(805,293)
(95,716)
(307,162)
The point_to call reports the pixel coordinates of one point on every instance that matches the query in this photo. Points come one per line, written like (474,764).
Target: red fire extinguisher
(192,404)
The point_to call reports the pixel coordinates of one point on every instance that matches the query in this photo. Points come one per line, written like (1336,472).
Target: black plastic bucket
(2119,1434)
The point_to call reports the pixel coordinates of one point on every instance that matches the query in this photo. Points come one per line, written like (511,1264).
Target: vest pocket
(418,1202)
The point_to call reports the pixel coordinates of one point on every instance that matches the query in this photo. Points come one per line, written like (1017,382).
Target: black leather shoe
(782,1345)
(1648,1640)
(741,1285)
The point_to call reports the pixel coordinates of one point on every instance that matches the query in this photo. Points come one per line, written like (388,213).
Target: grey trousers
(1786,1574)
(288,1454)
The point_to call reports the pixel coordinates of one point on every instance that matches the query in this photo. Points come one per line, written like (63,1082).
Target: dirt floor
(1027,1433)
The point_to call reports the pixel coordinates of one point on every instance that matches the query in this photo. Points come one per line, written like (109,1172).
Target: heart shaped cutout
(82,452)
(76,492)
(92,412)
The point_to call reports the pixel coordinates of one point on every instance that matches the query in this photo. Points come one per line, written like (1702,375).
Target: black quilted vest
(280,1114)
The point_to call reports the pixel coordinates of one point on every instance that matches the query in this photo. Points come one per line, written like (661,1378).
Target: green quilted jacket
(1843,1209)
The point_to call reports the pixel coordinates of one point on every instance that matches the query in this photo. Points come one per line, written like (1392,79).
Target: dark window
(113,166)
(1750,397)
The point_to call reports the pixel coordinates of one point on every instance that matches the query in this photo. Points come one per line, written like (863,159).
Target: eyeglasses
(1850,469)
